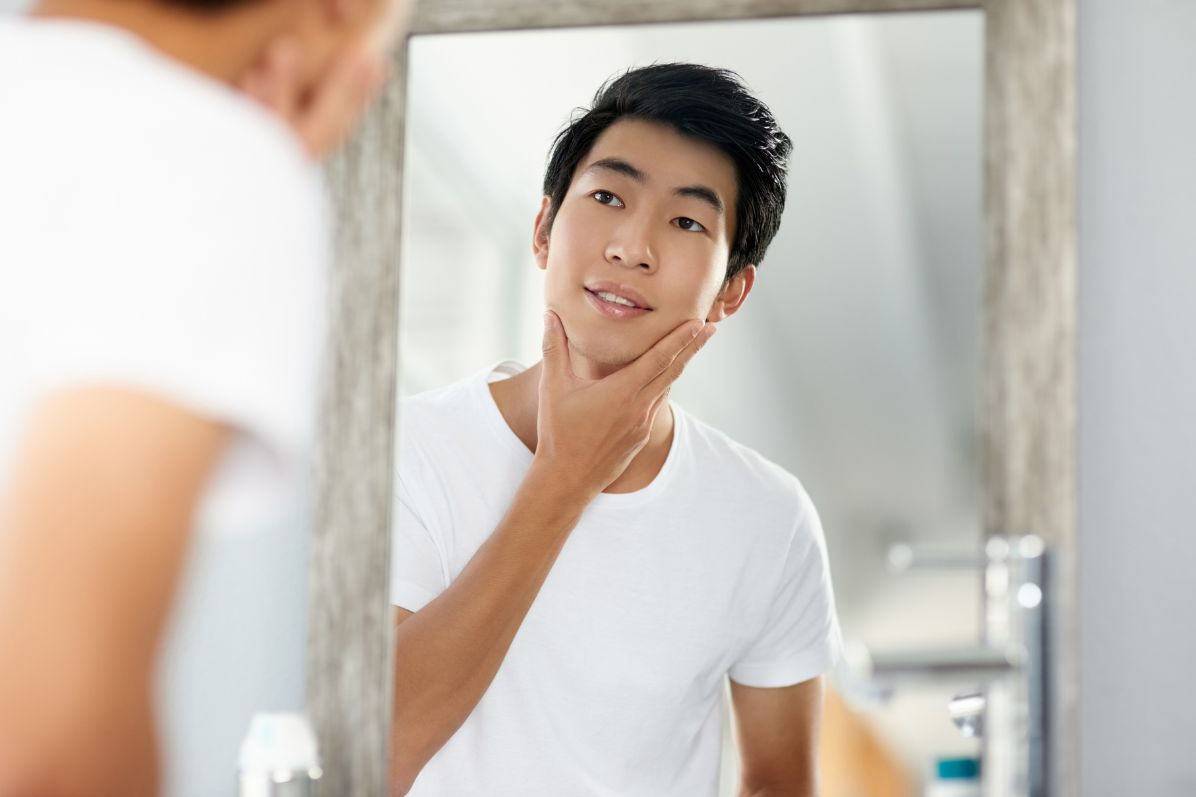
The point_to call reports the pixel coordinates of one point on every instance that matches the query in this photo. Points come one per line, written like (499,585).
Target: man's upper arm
(778,729)
(417,570)
(95,520)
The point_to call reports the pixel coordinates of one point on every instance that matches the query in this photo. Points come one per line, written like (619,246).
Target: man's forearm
(447,653)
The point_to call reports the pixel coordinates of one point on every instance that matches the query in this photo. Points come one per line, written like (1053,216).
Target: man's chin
(609,355)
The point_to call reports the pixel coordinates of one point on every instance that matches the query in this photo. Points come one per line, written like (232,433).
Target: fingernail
(548,320)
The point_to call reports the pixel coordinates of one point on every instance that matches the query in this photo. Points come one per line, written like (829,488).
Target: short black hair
(701,102)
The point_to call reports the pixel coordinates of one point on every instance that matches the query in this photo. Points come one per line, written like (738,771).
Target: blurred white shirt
(159,231)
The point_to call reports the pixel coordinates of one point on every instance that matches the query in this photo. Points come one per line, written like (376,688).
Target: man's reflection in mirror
(579,565)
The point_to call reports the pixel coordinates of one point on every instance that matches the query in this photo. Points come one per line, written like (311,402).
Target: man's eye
(607,198)
(689,224)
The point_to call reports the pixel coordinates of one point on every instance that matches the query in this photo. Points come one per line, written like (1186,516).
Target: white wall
(1137,396)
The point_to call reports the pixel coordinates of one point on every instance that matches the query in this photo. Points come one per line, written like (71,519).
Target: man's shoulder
(217,136)
(725,453)
(448,434)
(742,470)
(442,411)
(125,106)
(439,400)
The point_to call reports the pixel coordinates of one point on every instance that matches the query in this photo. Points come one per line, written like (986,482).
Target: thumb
(555,348)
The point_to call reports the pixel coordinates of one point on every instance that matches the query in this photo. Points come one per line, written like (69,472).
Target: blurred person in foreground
(163,252)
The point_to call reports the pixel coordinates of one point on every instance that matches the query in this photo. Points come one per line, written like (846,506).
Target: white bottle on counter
(955,777)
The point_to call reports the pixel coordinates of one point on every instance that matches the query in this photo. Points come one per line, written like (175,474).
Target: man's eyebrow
(619,166)
(703,194)
(699,192)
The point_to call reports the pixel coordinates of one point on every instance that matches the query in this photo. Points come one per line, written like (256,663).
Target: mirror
(854,363)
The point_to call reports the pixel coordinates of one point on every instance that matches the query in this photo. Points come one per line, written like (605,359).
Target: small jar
(955,777)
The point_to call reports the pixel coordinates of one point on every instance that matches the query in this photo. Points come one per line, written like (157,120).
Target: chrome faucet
(1008,712)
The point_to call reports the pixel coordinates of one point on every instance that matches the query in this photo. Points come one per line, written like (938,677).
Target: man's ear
(733,294)
(540,234)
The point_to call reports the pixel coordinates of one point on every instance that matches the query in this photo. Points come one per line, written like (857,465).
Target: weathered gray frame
(1029,368)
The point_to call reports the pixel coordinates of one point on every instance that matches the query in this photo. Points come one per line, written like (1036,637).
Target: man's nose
(632,246)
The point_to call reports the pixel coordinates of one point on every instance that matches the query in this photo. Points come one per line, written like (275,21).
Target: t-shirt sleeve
(197,274)
(417,570)
(192,267)
(800,639)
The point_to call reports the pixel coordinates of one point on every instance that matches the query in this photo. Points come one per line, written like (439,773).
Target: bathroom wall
(1137,435)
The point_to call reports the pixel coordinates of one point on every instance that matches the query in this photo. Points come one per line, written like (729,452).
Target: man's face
(649,218)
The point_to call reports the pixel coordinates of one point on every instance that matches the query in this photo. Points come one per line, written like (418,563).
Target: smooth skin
(595,415)
(95,521)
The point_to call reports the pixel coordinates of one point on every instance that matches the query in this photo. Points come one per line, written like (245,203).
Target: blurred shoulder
(105,102)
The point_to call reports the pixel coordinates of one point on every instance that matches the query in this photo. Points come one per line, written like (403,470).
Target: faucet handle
(967,712)
(902,557)
(943,664)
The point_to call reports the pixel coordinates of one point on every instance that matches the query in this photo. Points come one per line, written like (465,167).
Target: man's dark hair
(704,103)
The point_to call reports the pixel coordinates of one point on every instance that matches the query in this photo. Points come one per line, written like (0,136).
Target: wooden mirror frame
(1029,365)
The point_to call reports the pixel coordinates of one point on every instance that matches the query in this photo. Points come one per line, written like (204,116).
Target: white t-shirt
(612,686)
(162,233)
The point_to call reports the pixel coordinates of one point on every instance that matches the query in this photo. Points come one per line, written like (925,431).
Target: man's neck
(221,45)
(518,399)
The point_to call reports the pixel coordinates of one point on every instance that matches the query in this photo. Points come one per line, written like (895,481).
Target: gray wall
(1137,435)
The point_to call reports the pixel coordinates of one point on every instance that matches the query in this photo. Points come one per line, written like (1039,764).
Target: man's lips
(622,291)
(613,310)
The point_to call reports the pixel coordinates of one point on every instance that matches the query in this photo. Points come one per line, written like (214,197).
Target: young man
(579,564)
(163,255)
